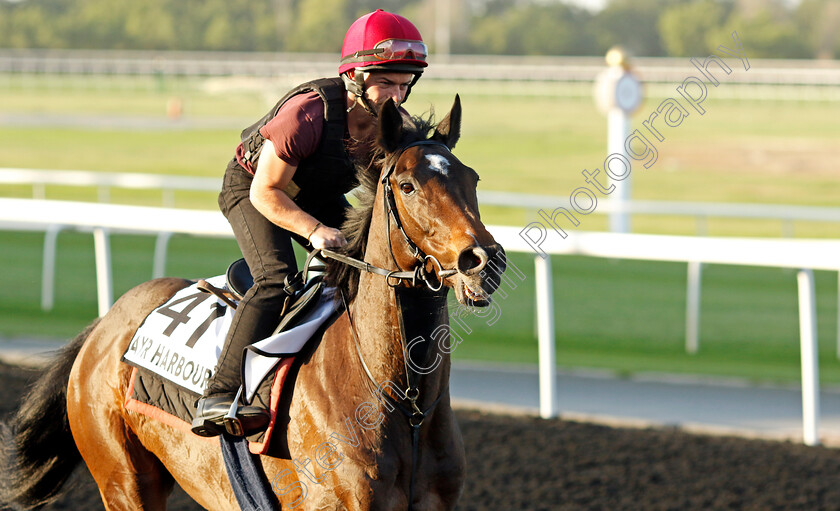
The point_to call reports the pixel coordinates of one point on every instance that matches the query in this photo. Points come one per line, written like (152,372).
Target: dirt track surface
(533,464)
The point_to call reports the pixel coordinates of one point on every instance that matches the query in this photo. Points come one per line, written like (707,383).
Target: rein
(419,274)
(412,411)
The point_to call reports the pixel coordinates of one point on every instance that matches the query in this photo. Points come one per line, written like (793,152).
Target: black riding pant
(268,251)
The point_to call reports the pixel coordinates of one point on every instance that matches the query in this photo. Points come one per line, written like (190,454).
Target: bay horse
(430,227)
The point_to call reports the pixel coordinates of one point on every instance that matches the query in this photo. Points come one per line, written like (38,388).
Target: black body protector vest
(329,172)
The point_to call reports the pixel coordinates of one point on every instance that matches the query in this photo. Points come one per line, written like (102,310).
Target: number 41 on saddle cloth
(180,342)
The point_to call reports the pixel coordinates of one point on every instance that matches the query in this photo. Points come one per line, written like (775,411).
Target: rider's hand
(327,237)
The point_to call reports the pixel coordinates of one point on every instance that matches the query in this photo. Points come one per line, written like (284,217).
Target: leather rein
(433,280)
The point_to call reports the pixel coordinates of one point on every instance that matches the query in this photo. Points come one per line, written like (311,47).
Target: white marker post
(618,93)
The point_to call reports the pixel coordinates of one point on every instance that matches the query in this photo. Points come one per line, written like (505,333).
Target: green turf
(535,138)
(532,144)
(190,153)
(628,316)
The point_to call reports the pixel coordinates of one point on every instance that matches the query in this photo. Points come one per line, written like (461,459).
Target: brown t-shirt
(295,131)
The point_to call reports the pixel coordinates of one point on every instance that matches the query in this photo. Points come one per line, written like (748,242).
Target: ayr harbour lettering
(172,342)
(169,362)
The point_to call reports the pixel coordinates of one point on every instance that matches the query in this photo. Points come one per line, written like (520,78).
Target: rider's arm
(270,179)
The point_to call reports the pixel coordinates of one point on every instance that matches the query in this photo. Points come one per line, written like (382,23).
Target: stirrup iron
(232,423)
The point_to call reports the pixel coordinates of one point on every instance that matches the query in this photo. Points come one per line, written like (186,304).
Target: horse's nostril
(472,260)
(498,259)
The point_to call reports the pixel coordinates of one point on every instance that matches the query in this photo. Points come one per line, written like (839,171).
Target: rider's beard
(376,107)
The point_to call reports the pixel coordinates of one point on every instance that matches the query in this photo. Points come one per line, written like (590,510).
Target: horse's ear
(448,130)
(390,127)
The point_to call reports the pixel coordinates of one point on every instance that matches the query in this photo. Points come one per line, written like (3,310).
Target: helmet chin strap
(363,100)
(356,86)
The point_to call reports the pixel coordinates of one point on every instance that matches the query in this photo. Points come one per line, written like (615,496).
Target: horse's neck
(376,320)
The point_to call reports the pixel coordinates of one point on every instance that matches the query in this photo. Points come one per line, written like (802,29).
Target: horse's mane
(356,228)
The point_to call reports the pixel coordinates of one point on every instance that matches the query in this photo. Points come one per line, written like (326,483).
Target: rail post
(48,267)
(545,313)
(692,307)
(161,246)
(104,279)
(809,359)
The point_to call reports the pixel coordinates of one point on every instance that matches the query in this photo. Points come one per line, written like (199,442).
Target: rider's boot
(219,414)
(220,410)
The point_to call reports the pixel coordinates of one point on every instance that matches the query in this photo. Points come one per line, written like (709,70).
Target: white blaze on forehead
(438,163)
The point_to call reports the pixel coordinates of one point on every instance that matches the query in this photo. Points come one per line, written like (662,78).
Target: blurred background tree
(775,28)
(530,29)
(685,27)
(632,24)
(768,26)
(819,21)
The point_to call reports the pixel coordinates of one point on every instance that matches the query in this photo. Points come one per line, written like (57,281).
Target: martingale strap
(412,411)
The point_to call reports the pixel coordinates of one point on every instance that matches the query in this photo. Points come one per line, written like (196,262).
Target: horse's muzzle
(475,259)
(480,269)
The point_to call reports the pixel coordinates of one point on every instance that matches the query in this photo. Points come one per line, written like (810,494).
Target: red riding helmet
(381,41)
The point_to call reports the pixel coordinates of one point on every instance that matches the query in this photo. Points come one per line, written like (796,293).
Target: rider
(288,180)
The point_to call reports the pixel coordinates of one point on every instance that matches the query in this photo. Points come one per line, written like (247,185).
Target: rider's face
(381,86)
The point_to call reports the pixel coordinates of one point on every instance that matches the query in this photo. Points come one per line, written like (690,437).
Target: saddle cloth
(175,350)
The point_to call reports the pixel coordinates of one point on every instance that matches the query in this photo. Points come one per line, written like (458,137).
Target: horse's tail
(37,452)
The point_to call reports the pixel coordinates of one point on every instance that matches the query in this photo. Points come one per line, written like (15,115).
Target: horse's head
(434,219)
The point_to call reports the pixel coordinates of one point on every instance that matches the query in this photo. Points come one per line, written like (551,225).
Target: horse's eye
(407,188)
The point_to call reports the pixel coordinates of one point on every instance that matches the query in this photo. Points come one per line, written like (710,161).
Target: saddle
(300,291)
(172,401)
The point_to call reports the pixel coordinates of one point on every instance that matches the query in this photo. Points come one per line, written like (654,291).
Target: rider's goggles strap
(391,49)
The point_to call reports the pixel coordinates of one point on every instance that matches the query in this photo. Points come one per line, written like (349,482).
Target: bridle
(392,214)
(419,274)
(394,277)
